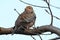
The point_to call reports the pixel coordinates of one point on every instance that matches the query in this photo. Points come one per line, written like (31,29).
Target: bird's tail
(13,32)
(14,29)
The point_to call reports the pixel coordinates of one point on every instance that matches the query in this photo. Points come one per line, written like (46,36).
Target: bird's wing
(33,17)
(23,18)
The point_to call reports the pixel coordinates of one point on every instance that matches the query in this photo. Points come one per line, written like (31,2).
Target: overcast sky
(8,17)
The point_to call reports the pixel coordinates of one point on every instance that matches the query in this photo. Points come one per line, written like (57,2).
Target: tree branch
(53,15)
(50,11)
(40,30)
(32,4)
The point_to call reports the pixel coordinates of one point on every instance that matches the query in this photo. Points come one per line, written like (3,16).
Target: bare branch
(53,15)
(50,11)
(40,37)
(17,11)
(54,6)
(32,4)
(33,37)
(39,6)
(40,30)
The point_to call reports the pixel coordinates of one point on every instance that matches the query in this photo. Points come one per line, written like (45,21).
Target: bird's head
(29,9)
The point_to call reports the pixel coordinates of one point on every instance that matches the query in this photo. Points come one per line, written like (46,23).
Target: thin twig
(40,37)
(53,15)
(39,6)
(33,37)
(17,11)
(54,6)
(32,4)
(50,12)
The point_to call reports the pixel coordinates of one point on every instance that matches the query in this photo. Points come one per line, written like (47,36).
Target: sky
(8,17)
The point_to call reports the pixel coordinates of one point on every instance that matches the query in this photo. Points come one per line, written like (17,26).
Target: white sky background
(8,17)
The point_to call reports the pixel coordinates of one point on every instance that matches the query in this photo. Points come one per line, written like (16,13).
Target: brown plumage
(25,19)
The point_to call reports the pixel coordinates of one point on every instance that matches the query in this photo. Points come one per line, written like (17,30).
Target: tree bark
(35,31)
